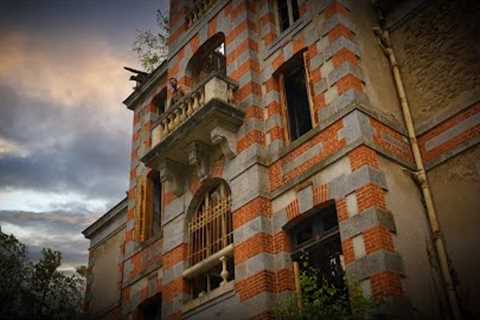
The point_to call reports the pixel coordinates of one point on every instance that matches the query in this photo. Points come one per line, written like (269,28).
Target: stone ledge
(215,296)
(377,262)
(366,220)
(429,165)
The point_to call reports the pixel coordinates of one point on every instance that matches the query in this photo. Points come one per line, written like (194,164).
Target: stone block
(305,199)
(367,220)
(378,262)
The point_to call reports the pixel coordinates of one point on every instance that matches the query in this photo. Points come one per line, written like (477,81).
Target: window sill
(287,35)
(213,297)
(208,263)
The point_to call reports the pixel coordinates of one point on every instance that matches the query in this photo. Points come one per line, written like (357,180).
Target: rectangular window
(295,97)
(316,238)
(160,101)
(157,204)
(288,13)
(148,206)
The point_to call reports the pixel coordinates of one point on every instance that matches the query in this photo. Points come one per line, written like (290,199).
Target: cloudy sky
(64,132)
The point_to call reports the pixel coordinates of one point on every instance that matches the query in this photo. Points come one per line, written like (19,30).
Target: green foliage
(36,290)
(321,300)
(151,47)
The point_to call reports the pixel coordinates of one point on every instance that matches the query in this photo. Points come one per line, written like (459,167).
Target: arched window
(210,239)
(208,59)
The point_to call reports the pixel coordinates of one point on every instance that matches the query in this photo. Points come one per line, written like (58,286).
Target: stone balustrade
(198,9)
(215,87)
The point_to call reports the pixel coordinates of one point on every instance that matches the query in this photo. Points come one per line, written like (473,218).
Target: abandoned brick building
(345,129)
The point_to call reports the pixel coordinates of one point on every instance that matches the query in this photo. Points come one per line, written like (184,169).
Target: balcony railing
(215,87)
(199,8)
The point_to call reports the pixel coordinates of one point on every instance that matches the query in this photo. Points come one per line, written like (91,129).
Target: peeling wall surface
(456,191)
(438,51)
(412,239)
(105,273)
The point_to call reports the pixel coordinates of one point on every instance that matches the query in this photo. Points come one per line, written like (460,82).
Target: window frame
(144,208)
(283,98)
(291,19)
(317,217)
(203,227)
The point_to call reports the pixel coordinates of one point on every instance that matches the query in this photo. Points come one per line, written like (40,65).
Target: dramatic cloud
(59,230)
(64,132)
(63,125)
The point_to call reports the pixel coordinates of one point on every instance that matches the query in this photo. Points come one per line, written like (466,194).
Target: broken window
(295,96)
(287,13)
(316,238)
(210,233)
(208,59)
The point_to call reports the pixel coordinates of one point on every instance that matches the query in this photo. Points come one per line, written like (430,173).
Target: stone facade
(357,155)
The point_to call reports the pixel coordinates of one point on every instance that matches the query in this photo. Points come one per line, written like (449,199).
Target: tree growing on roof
(151,47)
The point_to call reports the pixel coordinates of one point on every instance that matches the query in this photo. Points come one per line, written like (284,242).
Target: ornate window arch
(210,239)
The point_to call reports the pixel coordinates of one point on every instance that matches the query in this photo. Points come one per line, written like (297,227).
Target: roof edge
(104,219)
(145,88)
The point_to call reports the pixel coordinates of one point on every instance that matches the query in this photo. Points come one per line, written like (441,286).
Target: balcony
(191,130)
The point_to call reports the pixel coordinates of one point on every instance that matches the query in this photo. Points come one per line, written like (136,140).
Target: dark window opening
(298,108)
(160,101)
(157,203)
(288,13)
(316,240)
(209,59)
(151,309)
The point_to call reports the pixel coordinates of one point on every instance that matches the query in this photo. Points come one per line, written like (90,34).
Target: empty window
(315,236)
(209,59)
(287,13)
(157,203)
(295,97)
(151,309)
(210,231)
(160,101)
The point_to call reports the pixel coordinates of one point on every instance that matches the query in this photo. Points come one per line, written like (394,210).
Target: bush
(321,300)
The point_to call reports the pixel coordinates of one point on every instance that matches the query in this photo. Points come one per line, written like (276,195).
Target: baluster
(176,117)
(195,101)
(224,273)
(189,106)
(171,124)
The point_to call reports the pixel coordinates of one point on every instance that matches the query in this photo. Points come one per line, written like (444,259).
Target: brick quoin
(378,238)
(370,196)
(386,284)
(363,156)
